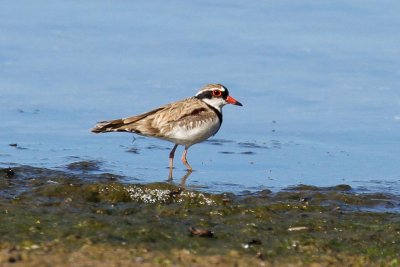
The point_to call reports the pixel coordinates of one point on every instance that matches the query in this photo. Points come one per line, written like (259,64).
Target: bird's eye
(217,93)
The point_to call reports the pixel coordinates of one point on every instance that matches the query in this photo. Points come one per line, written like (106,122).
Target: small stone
(260,256)
(200,232)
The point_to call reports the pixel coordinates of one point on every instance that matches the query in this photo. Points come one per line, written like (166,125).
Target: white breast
(194,132)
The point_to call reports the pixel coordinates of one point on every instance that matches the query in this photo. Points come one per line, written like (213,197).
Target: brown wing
(185,113)
(159,121)
(120,125)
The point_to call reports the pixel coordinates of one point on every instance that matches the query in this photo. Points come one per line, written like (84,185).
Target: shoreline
(63,219)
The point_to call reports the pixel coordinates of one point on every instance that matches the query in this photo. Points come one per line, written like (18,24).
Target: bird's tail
(140,124)
(118,125)
(108,126)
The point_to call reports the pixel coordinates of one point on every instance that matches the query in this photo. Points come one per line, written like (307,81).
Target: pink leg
(171,160)
(171,157)
(184,160)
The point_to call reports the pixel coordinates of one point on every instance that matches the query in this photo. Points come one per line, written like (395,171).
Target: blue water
(319,81)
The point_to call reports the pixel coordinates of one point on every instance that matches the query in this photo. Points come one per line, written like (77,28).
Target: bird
(185,122)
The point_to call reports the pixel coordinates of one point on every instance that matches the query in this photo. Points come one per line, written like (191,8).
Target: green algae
(45,210)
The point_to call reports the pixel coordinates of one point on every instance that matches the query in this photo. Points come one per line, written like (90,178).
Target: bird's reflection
(183,179)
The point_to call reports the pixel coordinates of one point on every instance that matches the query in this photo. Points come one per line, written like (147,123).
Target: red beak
(233,101)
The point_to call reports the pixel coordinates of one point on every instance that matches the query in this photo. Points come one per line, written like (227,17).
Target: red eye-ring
(217,93)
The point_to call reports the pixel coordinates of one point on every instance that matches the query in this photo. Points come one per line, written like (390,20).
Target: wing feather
(160,121)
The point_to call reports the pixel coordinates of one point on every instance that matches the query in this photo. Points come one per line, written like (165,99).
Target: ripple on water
(218,142)
(252,145)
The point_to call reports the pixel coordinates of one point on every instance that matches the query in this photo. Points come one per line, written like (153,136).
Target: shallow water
(319,84)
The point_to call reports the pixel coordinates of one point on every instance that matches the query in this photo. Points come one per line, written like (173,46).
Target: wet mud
(73,217)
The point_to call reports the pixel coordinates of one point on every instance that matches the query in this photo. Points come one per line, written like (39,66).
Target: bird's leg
(184,160)
(171,156)
(171,160)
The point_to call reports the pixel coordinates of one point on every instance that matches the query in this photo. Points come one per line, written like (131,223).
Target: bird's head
(217,96)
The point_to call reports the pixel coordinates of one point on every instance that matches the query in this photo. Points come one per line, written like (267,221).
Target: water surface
(319,84)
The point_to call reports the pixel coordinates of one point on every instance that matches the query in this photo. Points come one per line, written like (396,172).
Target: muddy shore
(74,218)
